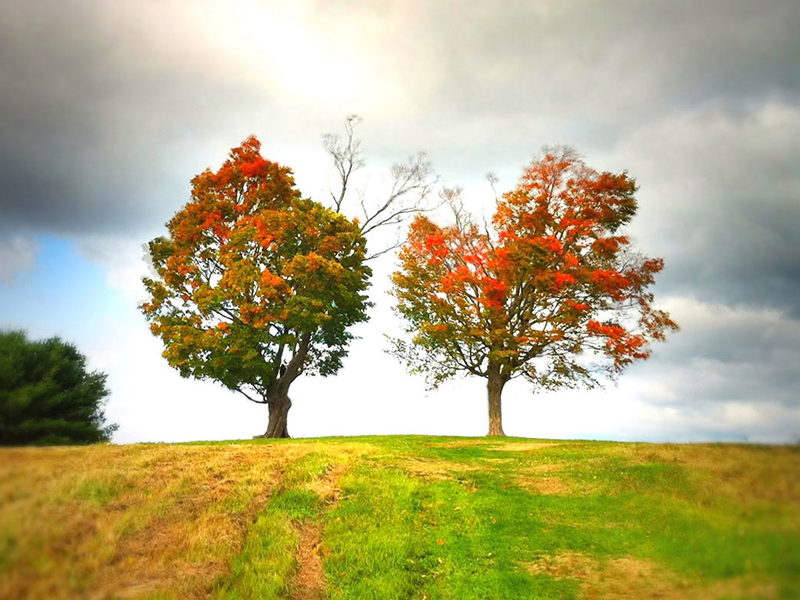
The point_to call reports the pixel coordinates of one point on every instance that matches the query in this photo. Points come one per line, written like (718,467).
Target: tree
(46,395)
(256,285)
(552,291)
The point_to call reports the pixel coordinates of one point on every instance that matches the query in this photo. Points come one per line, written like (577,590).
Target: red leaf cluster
(536,286)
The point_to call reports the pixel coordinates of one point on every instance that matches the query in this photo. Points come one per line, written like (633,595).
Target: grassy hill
(400,517)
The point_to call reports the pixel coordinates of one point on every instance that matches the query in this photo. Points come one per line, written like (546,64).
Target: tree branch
(412,182)
(246,395)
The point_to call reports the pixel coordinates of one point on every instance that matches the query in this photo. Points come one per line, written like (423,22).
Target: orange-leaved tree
(552,291)
(256,285)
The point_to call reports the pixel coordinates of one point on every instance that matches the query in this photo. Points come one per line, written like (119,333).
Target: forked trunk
(277,396)
(496,381)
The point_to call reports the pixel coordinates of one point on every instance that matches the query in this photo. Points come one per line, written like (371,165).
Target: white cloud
(124,261)
(17,254)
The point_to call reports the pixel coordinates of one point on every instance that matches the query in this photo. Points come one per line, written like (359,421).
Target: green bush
(46,395)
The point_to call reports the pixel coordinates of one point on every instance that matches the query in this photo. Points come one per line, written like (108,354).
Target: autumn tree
(551,290)
(255,284)
(47,395)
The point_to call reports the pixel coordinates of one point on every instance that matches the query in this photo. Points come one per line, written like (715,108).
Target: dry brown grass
(493,444)
(545,485)
(745,473)
(630,578)
(522,446)
(456,444)
(434,468)
(126,522)
(544,478)
(327,486)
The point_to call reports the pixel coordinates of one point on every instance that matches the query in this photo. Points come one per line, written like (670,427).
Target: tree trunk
(496,381)
(277,395)
(278,418)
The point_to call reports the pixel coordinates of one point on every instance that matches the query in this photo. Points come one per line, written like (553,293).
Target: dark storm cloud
(98,109)
(720,199)
(617,61)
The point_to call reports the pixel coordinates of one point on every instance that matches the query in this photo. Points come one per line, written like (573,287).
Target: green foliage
(46,395)
(253,276)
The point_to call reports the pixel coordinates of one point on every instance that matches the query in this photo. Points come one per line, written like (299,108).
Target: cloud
(125,262)
(17,254)
(613,61)
(723,355)
(720,198)
(104,119)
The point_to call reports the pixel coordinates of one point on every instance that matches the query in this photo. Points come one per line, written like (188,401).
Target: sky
(108,109)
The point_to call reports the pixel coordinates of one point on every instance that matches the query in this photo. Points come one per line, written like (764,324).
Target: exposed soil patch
(308,582)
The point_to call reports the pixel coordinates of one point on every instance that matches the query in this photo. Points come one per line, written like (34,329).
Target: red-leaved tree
(552,291)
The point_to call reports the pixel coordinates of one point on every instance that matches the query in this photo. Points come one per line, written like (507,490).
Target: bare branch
(492,178)
(399,241)
(410,181)
(346,155)
(411,184)
(246,395)
(452,197)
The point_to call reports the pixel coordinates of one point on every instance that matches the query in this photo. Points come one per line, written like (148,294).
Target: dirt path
(308,582)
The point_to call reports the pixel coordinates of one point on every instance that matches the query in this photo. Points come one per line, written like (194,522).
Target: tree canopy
(255,284)
(551,291)
(47,397)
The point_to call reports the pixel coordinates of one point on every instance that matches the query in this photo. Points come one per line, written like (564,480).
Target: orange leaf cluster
(249,269)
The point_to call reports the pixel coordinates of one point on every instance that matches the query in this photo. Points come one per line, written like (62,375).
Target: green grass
(263,567)
(403,517)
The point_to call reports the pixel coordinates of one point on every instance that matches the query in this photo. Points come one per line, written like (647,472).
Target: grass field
(400,517)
